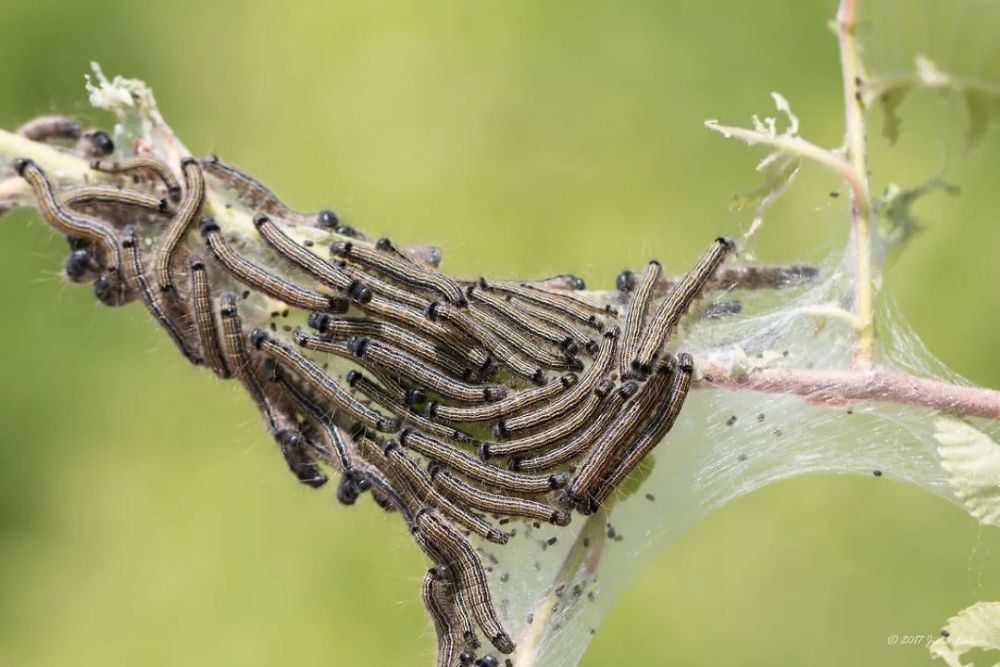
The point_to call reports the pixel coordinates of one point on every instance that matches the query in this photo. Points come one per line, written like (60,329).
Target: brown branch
(878,383)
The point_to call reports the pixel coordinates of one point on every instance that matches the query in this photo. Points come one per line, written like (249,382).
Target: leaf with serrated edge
(975,627)
(972,461)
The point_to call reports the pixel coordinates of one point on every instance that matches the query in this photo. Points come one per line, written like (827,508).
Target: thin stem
(801,148)
(856,152)
(840,387)
(585,553)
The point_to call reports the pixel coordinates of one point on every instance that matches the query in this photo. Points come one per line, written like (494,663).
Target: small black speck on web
(593,631)
(504,521)
(538,566)
(551,541)
(308,243)
(246,294)
(274,327)
(877,473)
(731,421)
(611,532)
(505,577)
(834,194)
(586,542)
(618,538)
(531,619)
(590,596)
(742,457)
(945,633)
(760,417)
(650,497)
(777,433)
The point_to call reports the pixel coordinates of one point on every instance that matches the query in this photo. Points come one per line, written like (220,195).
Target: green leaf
(981,97)
(890,100)
(982,107)
(778,169)
(972,460)
(895,210)
(976,627)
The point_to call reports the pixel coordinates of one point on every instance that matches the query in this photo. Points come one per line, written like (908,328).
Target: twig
(799,147)
(59,163)
(854,144)
(838,387)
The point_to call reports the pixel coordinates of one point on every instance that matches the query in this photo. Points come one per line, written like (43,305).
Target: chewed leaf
(976,627)
(983,108)
(972,461)
(779,170)
(105,94)
(890,100)
(778,167)
(981,97)
(895,209)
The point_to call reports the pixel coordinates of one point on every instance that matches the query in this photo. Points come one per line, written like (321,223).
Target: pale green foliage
(976,627)
(983,107)
(778,167)
(972,460)
(981,99)
(895,211)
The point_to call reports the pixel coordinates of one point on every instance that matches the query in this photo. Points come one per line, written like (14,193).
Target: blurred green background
(146,519)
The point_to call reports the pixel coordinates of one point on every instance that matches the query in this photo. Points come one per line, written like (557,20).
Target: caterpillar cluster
(465,403)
